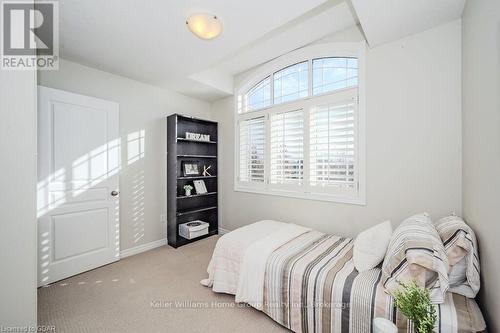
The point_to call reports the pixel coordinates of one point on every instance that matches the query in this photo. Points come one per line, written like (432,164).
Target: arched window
(260,95)
(291,83)
(330,74)
(298,130)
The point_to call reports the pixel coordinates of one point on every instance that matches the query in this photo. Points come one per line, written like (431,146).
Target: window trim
(309,53)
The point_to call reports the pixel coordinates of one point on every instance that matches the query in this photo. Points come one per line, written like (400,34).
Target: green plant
(415,303)
(188,187)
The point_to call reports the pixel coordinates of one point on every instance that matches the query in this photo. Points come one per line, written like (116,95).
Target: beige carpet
(139,294)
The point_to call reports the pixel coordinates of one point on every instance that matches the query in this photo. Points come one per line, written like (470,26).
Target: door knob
(114,193)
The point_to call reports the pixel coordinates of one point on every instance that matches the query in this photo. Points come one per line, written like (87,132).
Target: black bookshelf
(182,208)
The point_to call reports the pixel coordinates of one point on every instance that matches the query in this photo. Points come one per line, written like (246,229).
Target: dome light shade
(205,26)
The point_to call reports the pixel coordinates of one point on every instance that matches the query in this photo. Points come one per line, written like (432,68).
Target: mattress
(309,283)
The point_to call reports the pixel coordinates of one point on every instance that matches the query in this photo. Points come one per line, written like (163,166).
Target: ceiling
(149,42)
(388,20)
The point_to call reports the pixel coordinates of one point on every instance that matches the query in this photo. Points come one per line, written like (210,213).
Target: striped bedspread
(311,285)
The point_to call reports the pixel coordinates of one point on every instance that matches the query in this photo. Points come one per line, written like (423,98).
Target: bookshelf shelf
(197,141)
(196,177)
(196,156)
(195,195)
(199,210)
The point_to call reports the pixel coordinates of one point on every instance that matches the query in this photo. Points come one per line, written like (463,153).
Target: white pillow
(371,245)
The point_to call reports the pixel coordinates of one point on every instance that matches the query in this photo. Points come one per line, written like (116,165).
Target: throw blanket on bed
(311,285)
(240,249)
(253,268)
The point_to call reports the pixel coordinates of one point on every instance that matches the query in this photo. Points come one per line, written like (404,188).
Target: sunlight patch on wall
(136,143)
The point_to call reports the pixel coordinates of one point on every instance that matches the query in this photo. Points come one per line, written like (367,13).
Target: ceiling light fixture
(205,26)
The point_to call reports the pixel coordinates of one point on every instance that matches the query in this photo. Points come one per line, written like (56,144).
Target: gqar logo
(30,36)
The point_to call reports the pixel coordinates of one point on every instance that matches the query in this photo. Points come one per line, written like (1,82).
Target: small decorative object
(415,303)
(190,169)
(382,325)
(188,188)
(200,187)
(193,229)
(205,171)
(197,136)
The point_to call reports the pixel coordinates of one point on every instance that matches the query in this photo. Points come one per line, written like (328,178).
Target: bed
(306,281)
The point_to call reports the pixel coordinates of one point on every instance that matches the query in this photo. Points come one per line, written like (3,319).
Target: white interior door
(78,165)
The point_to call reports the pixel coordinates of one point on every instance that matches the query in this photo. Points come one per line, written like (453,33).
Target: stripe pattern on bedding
(460,244)
(311,285)
(416,252)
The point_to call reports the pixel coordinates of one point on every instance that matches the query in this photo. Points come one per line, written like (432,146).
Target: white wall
(18,198)
(413,141)
(481,142)
(142,108)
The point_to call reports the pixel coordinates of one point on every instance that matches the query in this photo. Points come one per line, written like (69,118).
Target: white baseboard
(223,231)
(142,248)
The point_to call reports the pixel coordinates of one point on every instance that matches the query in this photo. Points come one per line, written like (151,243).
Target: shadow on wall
(71,184)
(136,144)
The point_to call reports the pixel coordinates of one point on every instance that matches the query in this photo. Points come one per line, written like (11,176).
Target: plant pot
(382,325)
(188,193)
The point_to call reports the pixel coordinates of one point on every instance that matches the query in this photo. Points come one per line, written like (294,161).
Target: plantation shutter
(287,147)
(332,155)
(252,150)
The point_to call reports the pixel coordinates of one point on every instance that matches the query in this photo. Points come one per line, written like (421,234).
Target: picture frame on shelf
(190,168)
(200,187)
